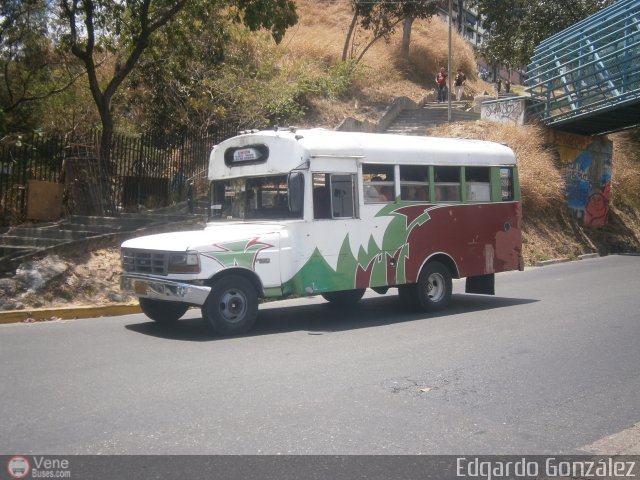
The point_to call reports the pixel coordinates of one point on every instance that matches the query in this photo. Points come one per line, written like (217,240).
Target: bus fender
(243,272)
(445,259)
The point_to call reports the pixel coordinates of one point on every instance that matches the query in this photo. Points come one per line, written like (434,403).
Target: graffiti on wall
(587,166)
(506,111)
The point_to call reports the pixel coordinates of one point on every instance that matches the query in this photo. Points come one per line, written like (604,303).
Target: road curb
(68,313)
(587,256)
(554,261)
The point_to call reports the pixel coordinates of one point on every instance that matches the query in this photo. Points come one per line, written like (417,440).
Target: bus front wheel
(232,306)
(434,286)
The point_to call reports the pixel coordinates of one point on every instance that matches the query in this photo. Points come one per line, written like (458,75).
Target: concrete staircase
(83,233)
(416,121)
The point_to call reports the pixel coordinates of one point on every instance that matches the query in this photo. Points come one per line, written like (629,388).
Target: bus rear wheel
(161,311)
(344,298)
(232,306)
(433,290)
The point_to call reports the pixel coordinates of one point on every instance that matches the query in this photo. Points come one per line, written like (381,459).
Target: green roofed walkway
(586,79)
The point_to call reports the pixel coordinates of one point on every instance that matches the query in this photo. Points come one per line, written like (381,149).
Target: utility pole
(449,62)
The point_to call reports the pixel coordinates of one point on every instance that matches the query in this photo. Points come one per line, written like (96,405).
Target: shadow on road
(320,318)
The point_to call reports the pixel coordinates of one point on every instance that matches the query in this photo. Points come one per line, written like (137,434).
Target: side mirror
(295,183)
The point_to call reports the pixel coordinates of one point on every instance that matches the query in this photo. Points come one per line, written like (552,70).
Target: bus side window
(447,184)
(506,184)
(414,183)
(343,195)
(378,183)
(321,196)
(477,184)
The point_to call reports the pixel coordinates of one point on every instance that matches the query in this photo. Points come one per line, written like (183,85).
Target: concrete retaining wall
(506,110)
(399,104)
(587,164)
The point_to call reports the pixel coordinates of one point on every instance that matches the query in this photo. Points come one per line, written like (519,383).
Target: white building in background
(465,19)
(469,23)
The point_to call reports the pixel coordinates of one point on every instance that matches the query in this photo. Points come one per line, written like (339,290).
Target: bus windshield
(264,198)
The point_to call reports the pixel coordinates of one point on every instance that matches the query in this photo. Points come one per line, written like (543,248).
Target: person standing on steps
(499,85)
(441,81)
(459,83)
(507,86)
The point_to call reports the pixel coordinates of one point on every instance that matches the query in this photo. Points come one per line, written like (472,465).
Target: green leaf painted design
(240,253)
(319,276)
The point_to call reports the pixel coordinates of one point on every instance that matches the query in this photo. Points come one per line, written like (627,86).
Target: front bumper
(160,289)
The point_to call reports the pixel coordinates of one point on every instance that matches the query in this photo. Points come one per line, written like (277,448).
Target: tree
(381,17)
(32,68)
(98,30)
(516,27)
(410,12)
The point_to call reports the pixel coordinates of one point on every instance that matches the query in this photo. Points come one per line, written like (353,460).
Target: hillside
(382,75)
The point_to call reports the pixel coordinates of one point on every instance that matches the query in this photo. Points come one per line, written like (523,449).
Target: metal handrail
(536,58)
(591,67)
(585,65)
(565,47)
(595,18)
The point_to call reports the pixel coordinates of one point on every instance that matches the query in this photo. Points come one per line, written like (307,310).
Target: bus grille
(145,261)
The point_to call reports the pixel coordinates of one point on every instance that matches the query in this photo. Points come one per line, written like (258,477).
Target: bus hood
(214,235)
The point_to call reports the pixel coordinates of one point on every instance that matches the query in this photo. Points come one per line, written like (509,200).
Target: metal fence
(146,171)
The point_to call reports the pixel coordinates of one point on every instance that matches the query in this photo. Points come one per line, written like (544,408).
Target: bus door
(332,234)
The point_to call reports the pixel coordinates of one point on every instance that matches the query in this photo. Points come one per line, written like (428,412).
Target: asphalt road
(550,365)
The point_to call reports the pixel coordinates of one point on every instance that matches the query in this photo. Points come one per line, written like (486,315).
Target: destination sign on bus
(246,155)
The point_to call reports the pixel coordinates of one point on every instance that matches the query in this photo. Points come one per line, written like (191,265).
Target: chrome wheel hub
(233,306)
(435,287)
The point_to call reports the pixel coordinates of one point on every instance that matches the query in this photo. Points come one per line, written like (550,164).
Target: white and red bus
(318,212)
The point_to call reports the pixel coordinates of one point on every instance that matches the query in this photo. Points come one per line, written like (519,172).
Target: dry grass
(626,179)
(384,75)
(626,167)
(541,183)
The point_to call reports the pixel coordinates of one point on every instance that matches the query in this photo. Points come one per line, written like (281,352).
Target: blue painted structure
(586,78)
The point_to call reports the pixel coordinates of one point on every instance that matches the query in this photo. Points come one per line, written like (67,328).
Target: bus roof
(290,148)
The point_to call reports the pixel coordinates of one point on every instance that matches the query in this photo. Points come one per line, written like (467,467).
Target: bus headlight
(187,262)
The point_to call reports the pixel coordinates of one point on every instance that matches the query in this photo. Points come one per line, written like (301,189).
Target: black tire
(433,290)
(232,306)
(408,296)
(161,311)
(344,298)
